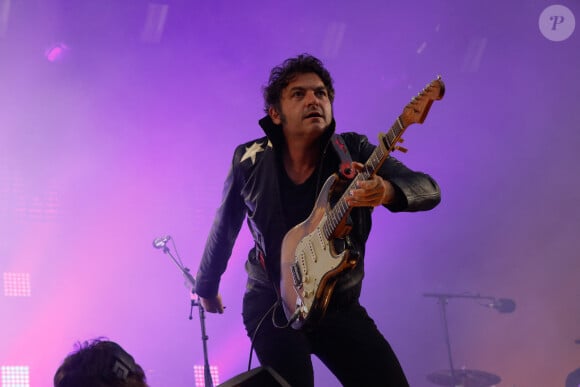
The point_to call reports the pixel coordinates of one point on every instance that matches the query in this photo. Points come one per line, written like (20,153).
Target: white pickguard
(314,259)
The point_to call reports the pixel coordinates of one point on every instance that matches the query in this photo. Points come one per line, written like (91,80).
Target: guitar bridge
(296,275)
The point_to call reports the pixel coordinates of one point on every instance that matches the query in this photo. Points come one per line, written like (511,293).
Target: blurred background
(118,121)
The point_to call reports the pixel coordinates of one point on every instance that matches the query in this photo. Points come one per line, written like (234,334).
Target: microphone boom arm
(451,295)
(190,283)
(184,270)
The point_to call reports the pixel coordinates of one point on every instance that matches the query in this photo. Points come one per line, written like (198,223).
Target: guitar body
(310,266)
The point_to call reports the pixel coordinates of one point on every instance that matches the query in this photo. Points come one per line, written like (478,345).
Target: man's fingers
(369,193)
(373,182)
(358,166)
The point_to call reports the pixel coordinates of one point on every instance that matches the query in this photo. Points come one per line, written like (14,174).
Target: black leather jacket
(252,190)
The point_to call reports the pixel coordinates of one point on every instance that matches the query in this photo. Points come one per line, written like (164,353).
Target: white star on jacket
(252,150)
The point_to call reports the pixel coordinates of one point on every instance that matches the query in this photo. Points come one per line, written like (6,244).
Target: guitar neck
(387,143)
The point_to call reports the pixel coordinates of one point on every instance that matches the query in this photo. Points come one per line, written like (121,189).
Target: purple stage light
(17,284)
(199,375)
(15,376)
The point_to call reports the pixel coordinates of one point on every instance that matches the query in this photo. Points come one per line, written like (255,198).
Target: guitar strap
(345,167)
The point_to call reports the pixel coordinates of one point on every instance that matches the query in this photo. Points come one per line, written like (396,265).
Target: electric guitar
(310,264)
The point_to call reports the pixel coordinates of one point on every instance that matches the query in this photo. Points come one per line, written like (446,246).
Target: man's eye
(297,94)
(321,93)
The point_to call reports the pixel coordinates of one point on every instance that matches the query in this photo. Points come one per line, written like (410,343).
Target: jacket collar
(276,137)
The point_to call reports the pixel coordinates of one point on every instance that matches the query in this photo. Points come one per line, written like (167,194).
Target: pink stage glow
(56,52)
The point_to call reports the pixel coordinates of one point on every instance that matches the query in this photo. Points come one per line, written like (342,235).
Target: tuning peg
(401,139)
(401,148)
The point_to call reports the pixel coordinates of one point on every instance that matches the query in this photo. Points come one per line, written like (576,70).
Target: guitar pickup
(296,275)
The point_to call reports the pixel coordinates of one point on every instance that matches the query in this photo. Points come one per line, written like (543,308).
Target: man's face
(304,107)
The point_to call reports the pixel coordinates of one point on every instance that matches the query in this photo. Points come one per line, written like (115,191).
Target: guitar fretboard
(376,159)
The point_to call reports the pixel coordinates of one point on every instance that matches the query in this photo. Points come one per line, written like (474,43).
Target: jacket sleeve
(223,233)
(415,191)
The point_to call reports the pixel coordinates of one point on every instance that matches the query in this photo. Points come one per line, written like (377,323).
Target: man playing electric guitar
(274,183)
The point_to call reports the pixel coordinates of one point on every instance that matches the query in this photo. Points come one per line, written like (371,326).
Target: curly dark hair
(282,75)
(99,363)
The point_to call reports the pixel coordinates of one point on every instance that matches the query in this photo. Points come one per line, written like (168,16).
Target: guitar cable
(257,329)
(273,311)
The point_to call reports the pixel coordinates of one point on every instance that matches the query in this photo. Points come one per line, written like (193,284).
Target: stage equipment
(464,377)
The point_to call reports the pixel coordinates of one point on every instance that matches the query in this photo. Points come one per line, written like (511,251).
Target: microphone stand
(194,302)
(443,302)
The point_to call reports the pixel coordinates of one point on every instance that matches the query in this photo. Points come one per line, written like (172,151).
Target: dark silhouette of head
(99,363)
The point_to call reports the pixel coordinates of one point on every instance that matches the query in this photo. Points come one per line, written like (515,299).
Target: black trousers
(347,341)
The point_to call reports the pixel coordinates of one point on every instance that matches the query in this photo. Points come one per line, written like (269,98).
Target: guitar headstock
(416,111)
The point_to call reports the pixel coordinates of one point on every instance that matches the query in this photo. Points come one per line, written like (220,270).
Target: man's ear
(274,115)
